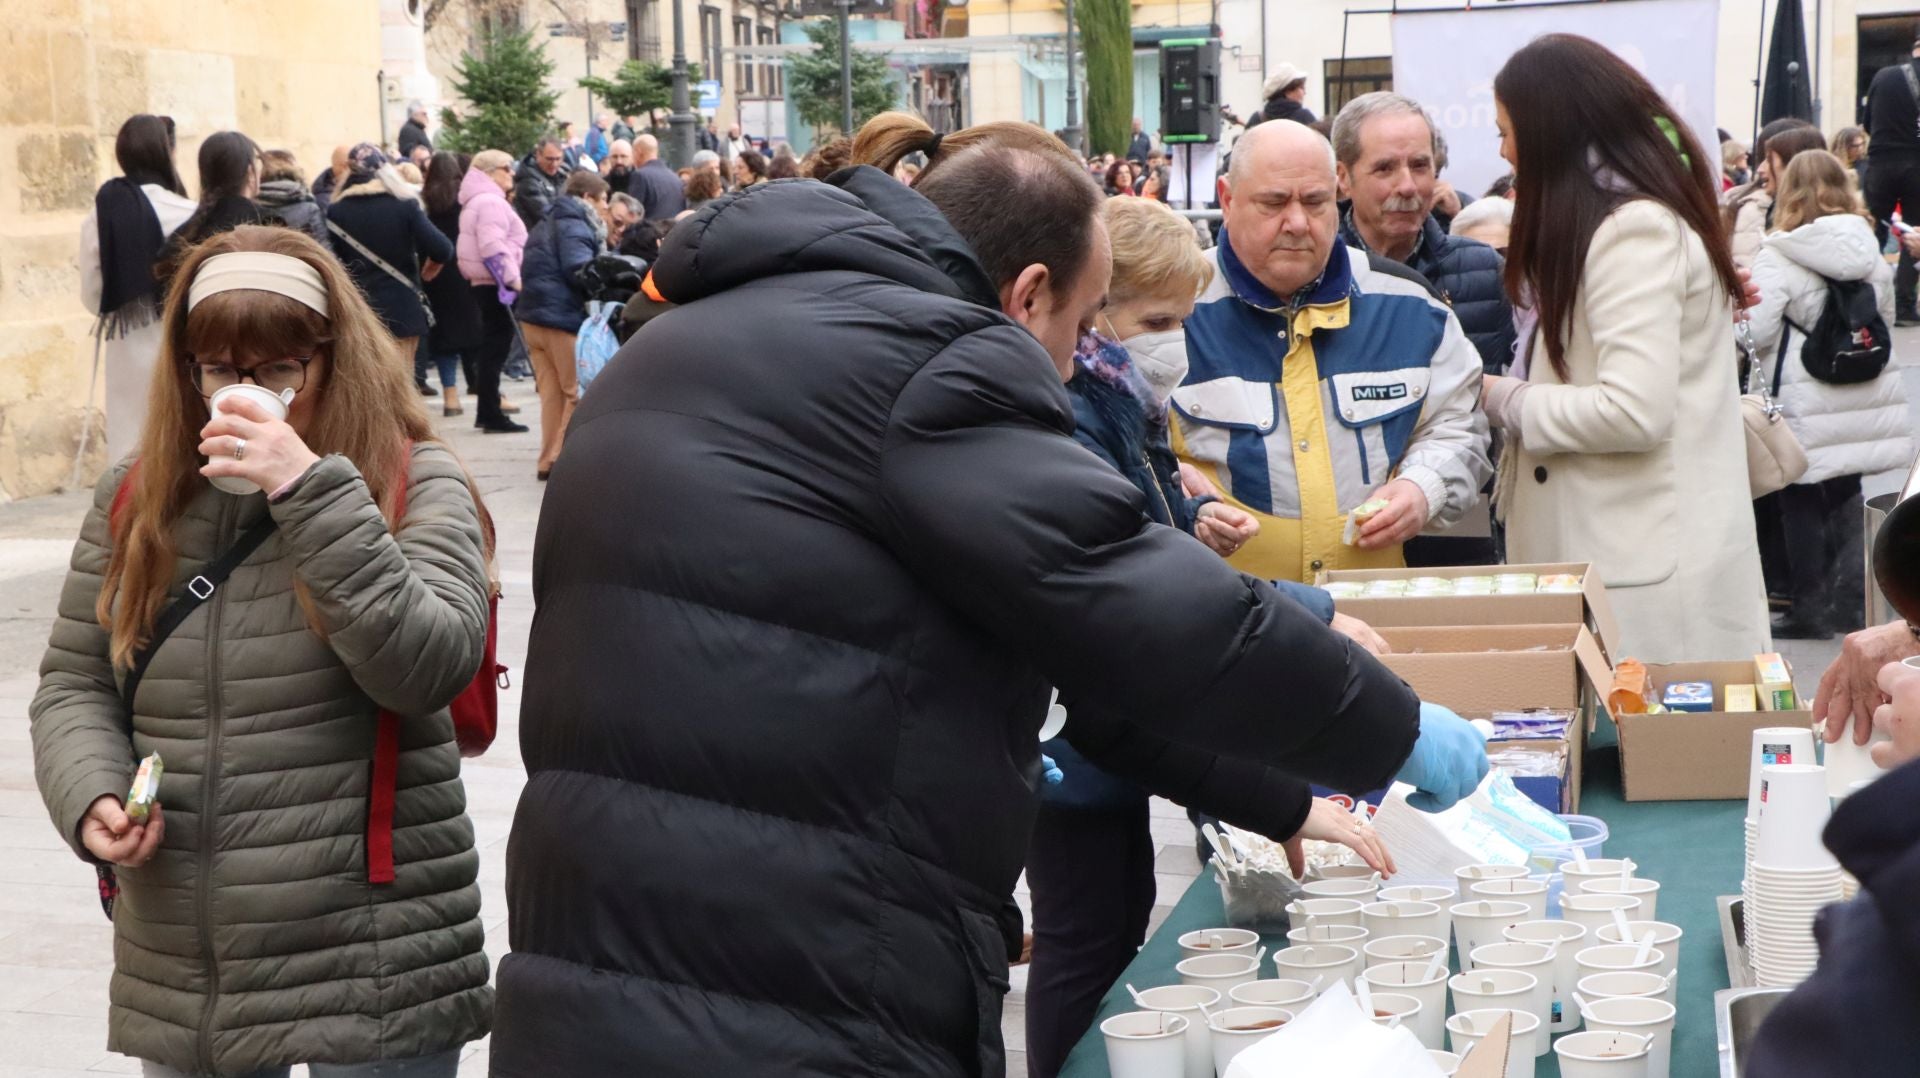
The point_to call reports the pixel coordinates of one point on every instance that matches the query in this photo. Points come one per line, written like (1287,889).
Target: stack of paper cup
(1466,1028)
(1792,875)
(1771,745)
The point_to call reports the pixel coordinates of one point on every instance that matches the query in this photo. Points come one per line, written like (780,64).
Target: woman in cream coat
(1624,439)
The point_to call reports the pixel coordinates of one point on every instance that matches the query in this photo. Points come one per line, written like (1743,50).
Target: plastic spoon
(1366,995)
(1219,846)
(1438,963)
(1645,953)
(1620,922)
(1139,1000)
(1579,854)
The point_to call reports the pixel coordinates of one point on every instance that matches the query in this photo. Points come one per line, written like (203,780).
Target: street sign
(709,93)
(858,7)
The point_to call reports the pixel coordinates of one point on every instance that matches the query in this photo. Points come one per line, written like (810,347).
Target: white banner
(1446,60)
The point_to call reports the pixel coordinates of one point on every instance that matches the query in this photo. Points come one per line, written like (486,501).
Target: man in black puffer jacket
(1384,148)
(798,610)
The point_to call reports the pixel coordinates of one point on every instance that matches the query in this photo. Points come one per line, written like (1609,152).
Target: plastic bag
(595,344)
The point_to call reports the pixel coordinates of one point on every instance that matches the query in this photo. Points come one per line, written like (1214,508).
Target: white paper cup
(1218,941)
(1649,1017)
(1849,764)
(1647,891)
(1448,1063)
(1604,1054)
(1278,992)
(1350,870)
(1333,961)
(1482,921)
(1466,1029)
(1465,878)
(1666,937)
(1220,972)
(1532,893)
(1499,989)
(1351,935)
(1628,984)
(1411,979)
(1592,911)
(1775,745)
(1535,958)
(1237,1029)
(1395,1009)
(1577,873)
(1312,912)
(1419,892)
(1617,958)
(1146,1044)
(1361,890)
(220,401)
(1567,938)
(1404,919)
(1401,948)
(1794,808)
(1185,1001)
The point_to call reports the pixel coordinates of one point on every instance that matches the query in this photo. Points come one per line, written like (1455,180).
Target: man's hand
(108,833)
(1910,241)
(1401,520)
(1899,718)
(1224,528)
(1360,633)
(1850,690)
(1445,199)
(1328,822)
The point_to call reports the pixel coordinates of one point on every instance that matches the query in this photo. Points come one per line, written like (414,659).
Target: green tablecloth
(1693,848)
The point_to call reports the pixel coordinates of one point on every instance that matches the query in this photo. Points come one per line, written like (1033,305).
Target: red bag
(476,718)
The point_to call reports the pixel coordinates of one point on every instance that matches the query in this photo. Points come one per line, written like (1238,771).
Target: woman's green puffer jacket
(253,939)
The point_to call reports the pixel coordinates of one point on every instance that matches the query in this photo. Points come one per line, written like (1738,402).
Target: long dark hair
(1573,107)
(445,170)
(226,157)
(144,149)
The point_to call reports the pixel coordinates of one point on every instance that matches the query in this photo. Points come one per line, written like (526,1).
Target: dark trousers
(496,337)
(1090,872)
(1823,537)
(1891,183)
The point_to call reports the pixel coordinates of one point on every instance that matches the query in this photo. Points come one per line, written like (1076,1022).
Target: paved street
(56,949)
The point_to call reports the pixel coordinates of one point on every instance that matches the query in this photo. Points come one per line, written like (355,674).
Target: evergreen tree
(813,81)
(640,87)
(509,104)
(1106,39)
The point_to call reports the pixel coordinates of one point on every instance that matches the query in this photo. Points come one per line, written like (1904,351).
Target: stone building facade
(301,76)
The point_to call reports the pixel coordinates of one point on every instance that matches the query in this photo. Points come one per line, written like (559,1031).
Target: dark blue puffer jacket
(558,248)
(1467,275)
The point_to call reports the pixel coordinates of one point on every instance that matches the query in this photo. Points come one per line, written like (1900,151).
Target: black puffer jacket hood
(818,545)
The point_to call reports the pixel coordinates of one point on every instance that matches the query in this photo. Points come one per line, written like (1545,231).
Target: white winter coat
(1637,461)
(131,356)
(1846,430)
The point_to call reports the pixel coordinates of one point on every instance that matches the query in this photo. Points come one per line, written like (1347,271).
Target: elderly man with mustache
(1321,379)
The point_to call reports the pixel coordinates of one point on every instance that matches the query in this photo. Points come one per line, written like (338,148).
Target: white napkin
(1333,1037)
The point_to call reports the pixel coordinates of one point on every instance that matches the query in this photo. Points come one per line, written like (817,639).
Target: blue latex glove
(1051,771)
(1448,761)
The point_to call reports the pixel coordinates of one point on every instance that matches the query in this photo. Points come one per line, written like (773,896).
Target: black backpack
(1850,343)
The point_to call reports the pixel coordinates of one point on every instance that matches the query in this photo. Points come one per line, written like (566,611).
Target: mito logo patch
(1365,394)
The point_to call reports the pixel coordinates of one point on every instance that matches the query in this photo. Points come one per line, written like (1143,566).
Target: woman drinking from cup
(249,932)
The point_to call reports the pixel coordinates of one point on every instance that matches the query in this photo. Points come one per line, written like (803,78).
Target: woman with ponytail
(255,928)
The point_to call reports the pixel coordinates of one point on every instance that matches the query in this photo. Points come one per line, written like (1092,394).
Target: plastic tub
(1543,862)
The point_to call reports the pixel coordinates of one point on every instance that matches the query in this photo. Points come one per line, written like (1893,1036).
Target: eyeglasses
(275,375)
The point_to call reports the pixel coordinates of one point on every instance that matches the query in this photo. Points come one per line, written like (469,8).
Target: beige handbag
(1774,456)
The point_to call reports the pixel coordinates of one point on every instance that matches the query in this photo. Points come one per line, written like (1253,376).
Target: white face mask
(1161,359)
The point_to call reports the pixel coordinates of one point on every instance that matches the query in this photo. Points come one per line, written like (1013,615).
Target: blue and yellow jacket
(1303,407)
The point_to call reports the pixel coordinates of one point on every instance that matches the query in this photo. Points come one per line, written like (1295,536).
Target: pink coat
(488,227)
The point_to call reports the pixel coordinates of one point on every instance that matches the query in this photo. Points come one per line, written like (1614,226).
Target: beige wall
(299,76)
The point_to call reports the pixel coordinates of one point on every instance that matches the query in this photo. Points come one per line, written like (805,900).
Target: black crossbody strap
(1780,360)
(199,590)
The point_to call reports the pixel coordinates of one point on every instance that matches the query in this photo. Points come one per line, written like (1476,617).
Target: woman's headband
(260,271)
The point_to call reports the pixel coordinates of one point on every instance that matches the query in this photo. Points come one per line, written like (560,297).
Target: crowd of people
(1024,430)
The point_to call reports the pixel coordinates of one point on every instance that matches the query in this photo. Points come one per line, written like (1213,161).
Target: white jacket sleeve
(1447,456)
(1768,319)
(90,278)
(1635,291)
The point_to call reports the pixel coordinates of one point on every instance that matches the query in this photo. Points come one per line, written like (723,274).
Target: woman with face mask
(1090,861)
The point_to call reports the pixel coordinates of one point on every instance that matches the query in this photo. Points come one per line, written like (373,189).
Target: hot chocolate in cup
(265,399)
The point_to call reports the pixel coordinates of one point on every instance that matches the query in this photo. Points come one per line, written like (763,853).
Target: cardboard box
(1588,607)
(1694,756)
(1480,654)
